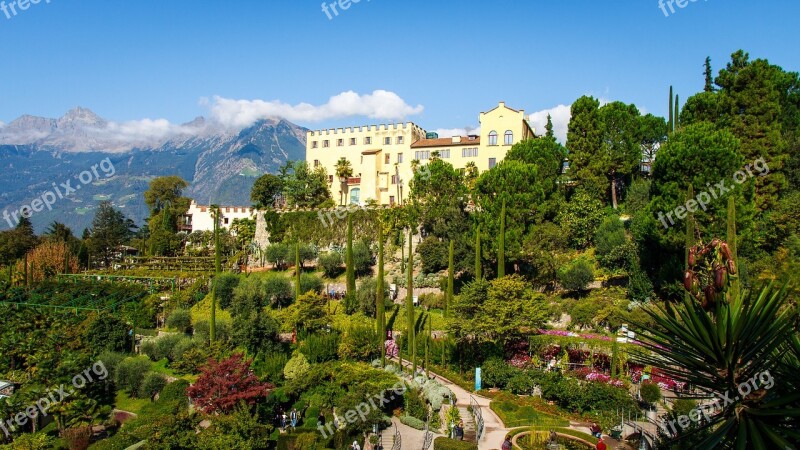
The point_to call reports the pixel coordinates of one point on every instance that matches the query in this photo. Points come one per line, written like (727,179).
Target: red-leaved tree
(224,384)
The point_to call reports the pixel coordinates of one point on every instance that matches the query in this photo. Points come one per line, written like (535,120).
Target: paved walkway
(494,429)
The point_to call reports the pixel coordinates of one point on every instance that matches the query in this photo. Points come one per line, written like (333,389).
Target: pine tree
(549,127)
(709,87)
(448,300)
(501,246)
(380,307)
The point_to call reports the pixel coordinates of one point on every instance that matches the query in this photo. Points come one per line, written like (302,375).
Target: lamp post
(342,189)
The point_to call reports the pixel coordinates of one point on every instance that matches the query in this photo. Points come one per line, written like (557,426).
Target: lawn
(525,411)
(125,403)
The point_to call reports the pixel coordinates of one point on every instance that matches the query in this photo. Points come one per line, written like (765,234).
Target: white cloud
(380,104)
(560,116)
(450,132)
(144,130)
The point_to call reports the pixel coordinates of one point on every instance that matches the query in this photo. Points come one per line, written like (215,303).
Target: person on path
(506,444)
(293,417)
(321,420)
(601,445)
(596,430)
(460,430)
(355,446)
(283,421)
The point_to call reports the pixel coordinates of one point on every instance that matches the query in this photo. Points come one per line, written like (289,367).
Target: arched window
(355,196)
(509,139)
(493,138)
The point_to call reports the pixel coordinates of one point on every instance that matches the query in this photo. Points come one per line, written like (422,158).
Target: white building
(199,218)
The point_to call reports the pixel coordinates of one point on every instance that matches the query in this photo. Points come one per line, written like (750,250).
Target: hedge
(413,422)
(443,443)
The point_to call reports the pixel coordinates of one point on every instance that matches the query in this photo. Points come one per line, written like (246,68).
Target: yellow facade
(381,156)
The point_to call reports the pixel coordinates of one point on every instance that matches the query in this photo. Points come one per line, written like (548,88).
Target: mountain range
(39,154)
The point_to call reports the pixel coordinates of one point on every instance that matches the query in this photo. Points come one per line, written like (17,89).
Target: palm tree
(736,354)
(344,170)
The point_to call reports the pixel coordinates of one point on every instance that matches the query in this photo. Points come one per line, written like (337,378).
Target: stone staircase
(470,434)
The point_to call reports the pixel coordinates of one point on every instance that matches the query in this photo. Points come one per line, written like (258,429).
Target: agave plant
(744,356)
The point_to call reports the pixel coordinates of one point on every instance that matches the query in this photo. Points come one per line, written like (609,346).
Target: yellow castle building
(382,156)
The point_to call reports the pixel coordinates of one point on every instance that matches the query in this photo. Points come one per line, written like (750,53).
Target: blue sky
(147,59)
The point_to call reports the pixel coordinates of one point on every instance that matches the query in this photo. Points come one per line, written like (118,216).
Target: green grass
(161,367)
(202,311)
(124,402)
(561,430)
(522,411)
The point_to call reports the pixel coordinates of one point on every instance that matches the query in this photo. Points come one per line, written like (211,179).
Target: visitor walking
(601,445)
(460,430)
(293,417)
(283,421)
(355,446)
(506,444)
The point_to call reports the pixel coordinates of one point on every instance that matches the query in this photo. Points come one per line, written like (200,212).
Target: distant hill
(220,164)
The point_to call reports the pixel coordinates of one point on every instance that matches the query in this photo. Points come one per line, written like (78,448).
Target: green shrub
(650,392)
(311,282)
(363,259)
(111,361)
(321,347)
(180,320)
(332,264)
(131,372)
(496,373)
(415,405)
(202,331)
(577,275)
(296,368)
(151,385)
(412,422)
(360,342)
(443,443)
(225,283)
(164,346)
(175,392)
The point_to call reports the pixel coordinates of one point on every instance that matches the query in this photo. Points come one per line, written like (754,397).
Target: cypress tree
(677,118)
(351,273)
(427,344)
(380,307)
(478,253)
(689,235)
(501,251)
(297,272)
(412,348)
(671,124)
(735,287)
(448,299)
(217,269)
